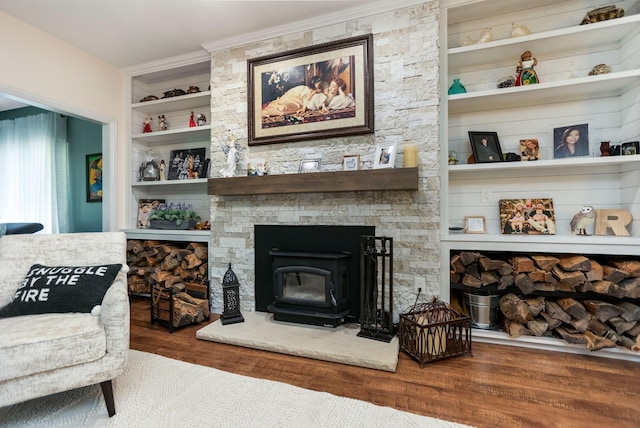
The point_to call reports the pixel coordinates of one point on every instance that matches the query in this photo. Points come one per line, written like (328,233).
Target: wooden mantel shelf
(317,182)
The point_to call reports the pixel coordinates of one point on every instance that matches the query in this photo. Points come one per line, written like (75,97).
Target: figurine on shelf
(232,150)
(519,30)
(162,167)
(526,75)
(162,122)
(201,119)
(192,122)
(486,35)
(147,125)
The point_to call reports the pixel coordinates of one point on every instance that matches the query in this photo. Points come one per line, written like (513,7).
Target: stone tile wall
(406,102)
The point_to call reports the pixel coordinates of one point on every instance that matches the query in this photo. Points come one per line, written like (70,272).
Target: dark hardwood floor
(499,386)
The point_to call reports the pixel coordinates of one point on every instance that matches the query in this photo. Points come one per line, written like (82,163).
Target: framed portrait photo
(475,224)
(351,163)
(94,177)
(385,156)
(529,149)
(529,216)
(571,141)
(485,146)
(309,166)
(321,91)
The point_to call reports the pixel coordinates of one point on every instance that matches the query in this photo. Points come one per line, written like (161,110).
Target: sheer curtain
(34,176)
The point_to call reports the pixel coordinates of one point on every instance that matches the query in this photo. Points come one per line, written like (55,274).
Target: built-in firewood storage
(592,300)
(174,275)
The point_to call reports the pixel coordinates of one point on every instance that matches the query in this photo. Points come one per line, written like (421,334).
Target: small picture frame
(385,156)
(630,148)
(145,206)
(309,166)
(529,149)
(571,141)
(485,146)
(351,163)
(475,224)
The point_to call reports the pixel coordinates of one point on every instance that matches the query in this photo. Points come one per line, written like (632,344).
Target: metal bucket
(483,309)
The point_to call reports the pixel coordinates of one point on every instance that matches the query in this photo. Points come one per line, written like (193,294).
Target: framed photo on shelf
(286,99)
(145,206)
(630,148)
(309,166)
(475,224)
(351,163)
(94,177)
(185,164)
(529,149)
(385,156)
(571,141)
(485,146)
(530,216)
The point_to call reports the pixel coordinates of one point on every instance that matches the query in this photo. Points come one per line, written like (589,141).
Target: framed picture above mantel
(322,91)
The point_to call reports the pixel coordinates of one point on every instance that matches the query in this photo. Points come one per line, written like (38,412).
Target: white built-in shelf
(169,235)
(172,183)
(548,44)
(175,136)
(580,88)
(181,102)
(613,245)
(563,166)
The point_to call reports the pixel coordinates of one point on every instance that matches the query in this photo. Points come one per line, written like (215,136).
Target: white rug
(155,391)
(338,345)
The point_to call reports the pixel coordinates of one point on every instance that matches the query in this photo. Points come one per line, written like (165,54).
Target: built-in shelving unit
(567,95)
(335,181)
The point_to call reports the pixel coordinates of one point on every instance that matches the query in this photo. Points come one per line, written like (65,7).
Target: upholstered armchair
(46,353)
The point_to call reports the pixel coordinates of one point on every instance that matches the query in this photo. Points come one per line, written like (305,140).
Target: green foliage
(174,212)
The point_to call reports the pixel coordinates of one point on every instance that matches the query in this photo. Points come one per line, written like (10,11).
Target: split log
(456,264)
(536,304)
(635,331)
(488,264)
(522,264)
(575,263)
(471,281)
(609,288)
(555,311)
(571,336)
(620,325)
(630,312)
(631,267)
(524,283)
(454,277)
(516,329)
(596,273)
(602,310)
(489,278)
(193,261)
(546,263)
(570,279)
(614,274)
(514,308)
(631,287)
(542,276)
(572,307)
(505,281)
(553,323)
(595,343)
(538,327)
(469,257)
(636,347)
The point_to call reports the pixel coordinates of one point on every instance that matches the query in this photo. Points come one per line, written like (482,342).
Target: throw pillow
(61,289)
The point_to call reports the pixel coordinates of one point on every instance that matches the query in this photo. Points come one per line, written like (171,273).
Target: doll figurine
(526,75)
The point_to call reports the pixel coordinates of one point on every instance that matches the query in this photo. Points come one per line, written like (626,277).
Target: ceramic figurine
(526,75)
(162,167)
(201,119)
(147,125)
(192,122)
(162,122)
(518,30)
(485,36)
(232,150)
(582,220)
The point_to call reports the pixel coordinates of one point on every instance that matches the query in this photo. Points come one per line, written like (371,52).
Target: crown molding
(167,63)
(309,24)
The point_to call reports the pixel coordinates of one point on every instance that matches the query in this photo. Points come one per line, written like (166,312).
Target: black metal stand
(231,298)
(376,288)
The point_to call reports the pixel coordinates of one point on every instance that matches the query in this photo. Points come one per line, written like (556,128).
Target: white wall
(48,73)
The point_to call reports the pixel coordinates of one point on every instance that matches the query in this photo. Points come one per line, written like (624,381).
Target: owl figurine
(582,220)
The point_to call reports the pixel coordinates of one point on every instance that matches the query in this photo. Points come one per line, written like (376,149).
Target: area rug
(338,345)
(155,391)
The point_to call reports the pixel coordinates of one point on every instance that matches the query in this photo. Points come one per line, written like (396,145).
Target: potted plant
(177,216)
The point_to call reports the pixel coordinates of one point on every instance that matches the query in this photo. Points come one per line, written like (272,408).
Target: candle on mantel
(410,156)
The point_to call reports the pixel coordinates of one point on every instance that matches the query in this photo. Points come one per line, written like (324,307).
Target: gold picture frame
(475,224)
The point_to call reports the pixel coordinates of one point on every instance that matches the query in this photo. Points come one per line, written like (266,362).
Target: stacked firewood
(597,323)
(175,275)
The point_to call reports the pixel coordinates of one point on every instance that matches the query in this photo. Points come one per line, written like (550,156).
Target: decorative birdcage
(433,331)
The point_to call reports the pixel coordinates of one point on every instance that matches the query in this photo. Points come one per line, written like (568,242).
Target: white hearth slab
(339,345)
